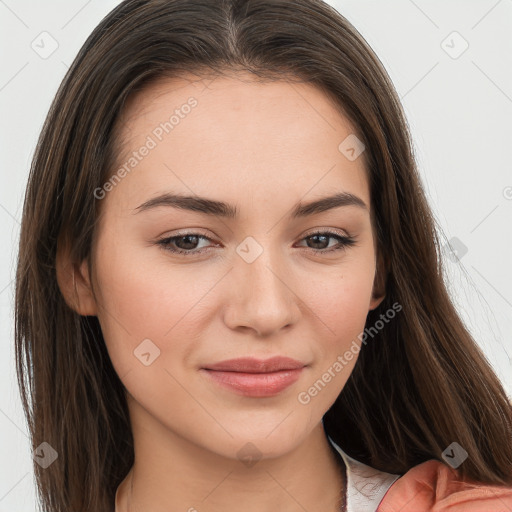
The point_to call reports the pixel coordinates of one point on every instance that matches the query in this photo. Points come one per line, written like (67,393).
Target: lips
(254,377)
(253,365)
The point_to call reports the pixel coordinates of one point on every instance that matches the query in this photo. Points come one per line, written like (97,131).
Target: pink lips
(254,377)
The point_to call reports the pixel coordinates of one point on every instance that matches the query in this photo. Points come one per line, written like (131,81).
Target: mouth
(254,377)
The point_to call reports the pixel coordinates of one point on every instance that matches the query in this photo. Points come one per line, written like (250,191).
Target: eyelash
(344,242)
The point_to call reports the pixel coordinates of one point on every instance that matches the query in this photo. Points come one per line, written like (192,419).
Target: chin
(266,441)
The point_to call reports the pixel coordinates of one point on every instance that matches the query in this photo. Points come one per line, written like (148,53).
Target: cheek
(340,297)
(340,306)
(141,300)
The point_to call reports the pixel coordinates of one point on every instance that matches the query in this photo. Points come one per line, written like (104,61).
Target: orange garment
(432,486)
(436,487)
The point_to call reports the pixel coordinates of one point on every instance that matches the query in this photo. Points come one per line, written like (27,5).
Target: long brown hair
(420,384)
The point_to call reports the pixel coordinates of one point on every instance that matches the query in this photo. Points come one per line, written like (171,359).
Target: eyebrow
(221,209)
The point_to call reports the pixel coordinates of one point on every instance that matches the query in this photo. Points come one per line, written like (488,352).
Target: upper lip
(253,365)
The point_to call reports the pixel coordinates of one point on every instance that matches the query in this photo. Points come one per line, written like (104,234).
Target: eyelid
(184,232)
(342,233)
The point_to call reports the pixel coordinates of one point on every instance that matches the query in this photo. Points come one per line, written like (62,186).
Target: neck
(310,477)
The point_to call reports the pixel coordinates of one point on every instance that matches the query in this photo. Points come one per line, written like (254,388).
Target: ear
(379,283)
(74,282)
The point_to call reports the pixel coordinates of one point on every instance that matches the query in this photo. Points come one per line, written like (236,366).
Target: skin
(261,147)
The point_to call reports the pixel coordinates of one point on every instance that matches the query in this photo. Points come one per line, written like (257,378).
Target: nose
(261,297)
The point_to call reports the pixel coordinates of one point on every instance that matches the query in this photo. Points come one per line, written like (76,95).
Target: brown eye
(319,242)
(183,244)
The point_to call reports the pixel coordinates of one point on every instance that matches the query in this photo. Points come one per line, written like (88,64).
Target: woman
(229,289)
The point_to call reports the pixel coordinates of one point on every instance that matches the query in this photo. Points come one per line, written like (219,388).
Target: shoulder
(438,487)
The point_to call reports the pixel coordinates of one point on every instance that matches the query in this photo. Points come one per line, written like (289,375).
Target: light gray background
(459,109)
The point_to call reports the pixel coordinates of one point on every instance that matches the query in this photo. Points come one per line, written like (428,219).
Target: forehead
(239,98)
(225,135)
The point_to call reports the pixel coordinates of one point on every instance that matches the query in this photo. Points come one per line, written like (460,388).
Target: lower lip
(255,384)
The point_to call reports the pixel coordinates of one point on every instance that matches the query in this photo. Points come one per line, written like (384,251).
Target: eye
(185,244)
(321,240)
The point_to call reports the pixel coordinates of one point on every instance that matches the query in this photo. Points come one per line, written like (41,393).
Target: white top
(366,486)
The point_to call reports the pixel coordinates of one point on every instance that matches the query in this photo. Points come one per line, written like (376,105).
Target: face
(245,267)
